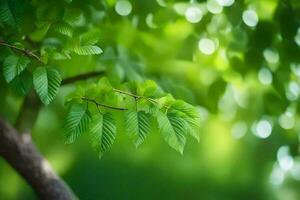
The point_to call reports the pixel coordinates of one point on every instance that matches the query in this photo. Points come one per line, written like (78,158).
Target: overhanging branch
(22,50)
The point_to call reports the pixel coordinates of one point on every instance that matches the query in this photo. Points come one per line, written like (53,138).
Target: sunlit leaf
(63,28)
(77,123)
(90,38)
(13,66)
(173,129)
(138,126)
(87,50)
(148,88)
(191,115)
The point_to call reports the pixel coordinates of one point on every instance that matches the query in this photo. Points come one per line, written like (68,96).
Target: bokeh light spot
(293,91)
(123,7)
(271,56)
(284,158)
(225,2)
(239,129)
(277,175)
(263,129)
(162,3)
(150,21)
(250,18)
(214,7)
(193,14)
(265,76)
(295,171)
(207,46)
(287,120)
(297,37)
(295,69)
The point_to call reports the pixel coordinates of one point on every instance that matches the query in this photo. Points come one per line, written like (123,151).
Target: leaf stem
(102,105)
(137,96)
(22,50)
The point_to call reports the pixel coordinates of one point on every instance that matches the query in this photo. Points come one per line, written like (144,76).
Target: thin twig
(22,50)
(138,96)
(102,105)
(127,93)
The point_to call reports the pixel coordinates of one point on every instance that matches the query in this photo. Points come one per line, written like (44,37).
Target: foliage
(46,81)
(103,132)
(138,125)
(174,118)
(13,66)
(238,62)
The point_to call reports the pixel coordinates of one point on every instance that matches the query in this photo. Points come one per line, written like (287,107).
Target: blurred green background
(238,61)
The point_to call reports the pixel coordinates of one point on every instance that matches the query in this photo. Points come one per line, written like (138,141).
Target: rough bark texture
(22,155)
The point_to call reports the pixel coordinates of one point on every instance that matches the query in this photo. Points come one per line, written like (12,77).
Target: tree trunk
(22,155)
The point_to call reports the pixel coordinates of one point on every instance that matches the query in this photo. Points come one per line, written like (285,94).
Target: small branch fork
(136,98)
(82,77)
(22,50)
(102,105)
(65,81)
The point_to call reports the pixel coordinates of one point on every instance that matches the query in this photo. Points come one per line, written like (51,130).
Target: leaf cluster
(97,109)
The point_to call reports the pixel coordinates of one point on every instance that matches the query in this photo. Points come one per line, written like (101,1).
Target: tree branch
(31,104)
(102,105)
(137,96)
(22,50)
(22,155)
(81,77)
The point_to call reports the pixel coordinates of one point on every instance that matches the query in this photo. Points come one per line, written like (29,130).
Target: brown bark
(22,155)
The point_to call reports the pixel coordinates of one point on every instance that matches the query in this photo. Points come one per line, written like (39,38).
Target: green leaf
(87,50)
(11,12)
(75,97)
(63,28)
(138,125)
(194,127)
(109,54)
(148,88)
(77,123)
(46,81)
(40,32)
(72,16)
(185,108)
(104,85)
(103,132)
(22,84)
(13,66)
(173,130)
(191,115)
(90,38)
(166,101)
